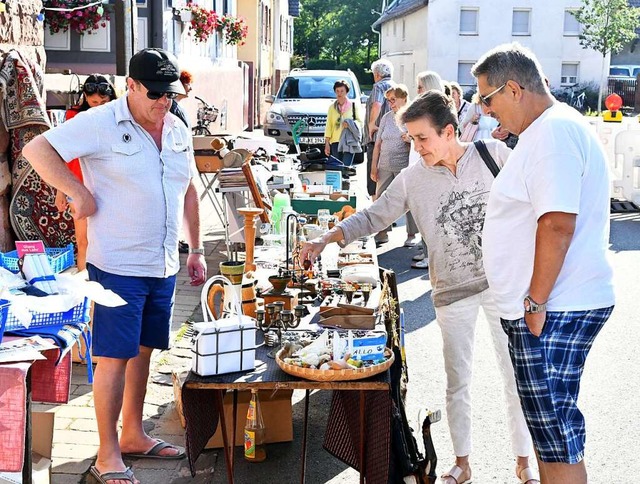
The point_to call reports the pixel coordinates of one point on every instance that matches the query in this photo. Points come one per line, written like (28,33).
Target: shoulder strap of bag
(486,156)
(353,109)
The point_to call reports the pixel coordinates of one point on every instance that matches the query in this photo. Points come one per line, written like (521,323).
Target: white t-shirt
(558,165)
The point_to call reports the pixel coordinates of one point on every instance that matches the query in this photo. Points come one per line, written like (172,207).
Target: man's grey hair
(382,67)
(511,62)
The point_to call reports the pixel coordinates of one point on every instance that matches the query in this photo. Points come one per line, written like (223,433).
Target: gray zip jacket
(350,138)
(449,211)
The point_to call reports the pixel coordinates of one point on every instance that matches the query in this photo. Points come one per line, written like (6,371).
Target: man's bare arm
(195,262)
(553,238)
(52,169)
(373,117)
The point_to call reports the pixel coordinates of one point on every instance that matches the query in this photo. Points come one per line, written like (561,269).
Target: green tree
(338,30)
(607,25)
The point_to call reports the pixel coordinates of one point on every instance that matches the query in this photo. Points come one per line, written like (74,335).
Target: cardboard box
(178,380)
(207,159)
(276,412)
(41,445)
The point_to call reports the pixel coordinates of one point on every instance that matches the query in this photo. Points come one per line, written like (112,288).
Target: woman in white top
(462,105)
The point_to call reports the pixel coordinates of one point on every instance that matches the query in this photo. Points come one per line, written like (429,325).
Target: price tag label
(29,246)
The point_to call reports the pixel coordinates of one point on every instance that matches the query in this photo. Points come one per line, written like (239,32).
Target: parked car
(306,94)
(624,71)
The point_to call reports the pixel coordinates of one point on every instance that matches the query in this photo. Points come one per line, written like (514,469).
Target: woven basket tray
(336,375)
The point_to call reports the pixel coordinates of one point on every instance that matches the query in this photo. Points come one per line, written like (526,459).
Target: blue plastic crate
(4,312)
(59,258)
(76,314)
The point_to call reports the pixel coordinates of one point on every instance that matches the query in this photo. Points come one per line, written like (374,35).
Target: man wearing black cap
(138,166)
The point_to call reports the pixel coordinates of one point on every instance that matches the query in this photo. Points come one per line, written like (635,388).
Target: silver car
(307,95)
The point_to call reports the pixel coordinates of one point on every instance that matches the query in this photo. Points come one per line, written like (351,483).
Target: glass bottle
(254,431)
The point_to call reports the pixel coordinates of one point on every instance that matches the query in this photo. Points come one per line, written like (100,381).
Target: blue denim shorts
(548,370)
(144,321)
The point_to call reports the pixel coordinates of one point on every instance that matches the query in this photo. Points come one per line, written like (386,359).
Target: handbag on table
(226,344)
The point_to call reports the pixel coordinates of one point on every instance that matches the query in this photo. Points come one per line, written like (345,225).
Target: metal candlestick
(366,292)
(279,319)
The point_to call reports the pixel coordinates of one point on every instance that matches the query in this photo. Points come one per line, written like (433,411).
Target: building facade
(449,37)
(234,78)
(267,51)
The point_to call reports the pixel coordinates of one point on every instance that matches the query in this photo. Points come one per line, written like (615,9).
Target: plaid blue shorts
(548,370)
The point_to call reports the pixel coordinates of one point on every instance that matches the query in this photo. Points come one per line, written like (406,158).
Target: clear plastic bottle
(254,431)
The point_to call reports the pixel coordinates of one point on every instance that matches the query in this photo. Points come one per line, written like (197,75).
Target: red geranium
(84,20)
(203,22)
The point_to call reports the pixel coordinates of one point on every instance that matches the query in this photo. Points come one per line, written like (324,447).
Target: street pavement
(609,396)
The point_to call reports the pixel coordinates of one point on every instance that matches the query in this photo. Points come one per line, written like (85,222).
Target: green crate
(310,206)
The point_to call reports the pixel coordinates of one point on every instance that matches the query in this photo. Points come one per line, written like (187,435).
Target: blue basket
(76,314)
(59,258)
(4,312)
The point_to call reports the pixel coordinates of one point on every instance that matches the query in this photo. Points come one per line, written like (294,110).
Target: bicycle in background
(206,115)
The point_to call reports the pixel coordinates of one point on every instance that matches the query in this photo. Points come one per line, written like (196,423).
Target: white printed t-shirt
(558,165)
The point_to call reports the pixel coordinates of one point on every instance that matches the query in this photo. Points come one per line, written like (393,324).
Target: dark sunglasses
(154,95)
(486,100)
(101,88)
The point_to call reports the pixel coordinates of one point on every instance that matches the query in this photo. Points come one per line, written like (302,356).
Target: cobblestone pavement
(75,439)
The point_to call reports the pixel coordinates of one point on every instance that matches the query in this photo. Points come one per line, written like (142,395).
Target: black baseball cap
(157,70)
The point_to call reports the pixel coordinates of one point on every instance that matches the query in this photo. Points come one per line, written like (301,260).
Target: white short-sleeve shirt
(558,165)
(139,190)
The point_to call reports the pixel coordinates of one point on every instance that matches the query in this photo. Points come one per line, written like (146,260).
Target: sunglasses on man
(154,95)
(102,88)
(486,100)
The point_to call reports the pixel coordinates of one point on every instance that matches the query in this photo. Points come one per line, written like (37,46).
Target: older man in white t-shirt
(545,245)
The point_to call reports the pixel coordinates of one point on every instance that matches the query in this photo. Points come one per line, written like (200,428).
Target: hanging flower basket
(235,29)
(83,20)
(186,16)
(203,22)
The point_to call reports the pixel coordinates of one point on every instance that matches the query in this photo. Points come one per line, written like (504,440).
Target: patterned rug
(32,209)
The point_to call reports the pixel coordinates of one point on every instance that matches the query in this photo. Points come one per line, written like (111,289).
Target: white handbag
(226,344)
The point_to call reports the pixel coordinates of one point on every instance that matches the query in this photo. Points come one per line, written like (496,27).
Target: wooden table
(359,425)
(372,394)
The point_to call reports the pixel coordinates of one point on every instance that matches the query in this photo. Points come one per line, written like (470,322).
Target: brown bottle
(254,431)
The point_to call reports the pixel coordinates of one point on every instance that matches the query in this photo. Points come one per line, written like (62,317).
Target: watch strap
(199,250)
(534,307)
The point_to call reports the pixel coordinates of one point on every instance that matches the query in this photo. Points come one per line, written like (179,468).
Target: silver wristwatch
(532,307)
(196,251)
